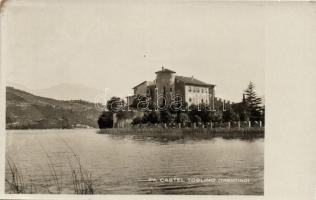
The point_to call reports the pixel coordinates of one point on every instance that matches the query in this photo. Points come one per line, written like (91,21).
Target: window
(190,99)
(170,89)
(190,89)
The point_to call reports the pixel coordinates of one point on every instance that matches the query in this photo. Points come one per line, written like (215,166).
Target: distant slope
(67,91)
(19,86)
(25,110)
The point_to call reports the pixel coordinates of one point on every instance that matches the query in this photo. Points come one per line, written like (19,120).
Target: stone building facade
(168,85)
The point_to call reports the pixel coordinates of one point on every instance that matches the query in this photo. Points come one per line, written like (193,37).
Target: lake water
(136,165)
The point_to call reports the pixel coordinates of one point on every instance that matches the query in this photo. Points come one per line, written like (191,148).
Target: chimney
(162,68)
(192,77)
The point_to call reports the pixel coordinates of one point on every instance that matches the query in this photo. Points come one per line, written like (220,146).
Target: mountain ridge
(25,110)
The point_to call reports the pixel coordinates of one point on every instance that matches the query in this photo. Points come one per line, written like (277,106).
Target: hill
(25,110)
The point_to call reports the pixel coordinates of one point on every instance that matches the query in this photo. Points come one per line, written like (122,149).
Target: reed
(57,180)
(15,180)
(81,179)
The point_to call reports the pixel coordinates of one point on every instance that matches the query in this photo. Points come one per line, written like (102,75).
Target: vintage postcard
(135,98)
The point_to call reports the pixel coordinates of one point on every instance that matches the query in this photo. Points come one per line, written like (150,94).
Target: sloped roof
(186,80)
(192,81)
(165,70)
(139,84)
(148,83)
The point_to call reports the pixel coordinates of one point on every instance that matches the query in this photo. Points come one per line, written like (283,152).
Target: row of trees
(250,109)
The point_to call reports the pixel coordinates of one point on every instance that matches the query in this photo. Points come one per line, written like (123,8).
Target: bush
(182,118)
(230,115)
(153,117)
(105,120)
(216,116)
(137,120)
(199,113)
(165,117)
(196,119)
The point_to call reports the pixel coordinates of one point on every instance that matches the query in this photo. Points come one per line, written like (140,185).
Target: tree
(115,104)
(240,110)
(150,117)
(182,118)
(193,110)
(142,103)
(144,119)
(165,116)
(122,115)
(64,122)
(137,120)
(204,113)
(252,103)
(230,115)
(153,117)
(216,116)
(105,120)
(262,118)
(196,118)
(199,113)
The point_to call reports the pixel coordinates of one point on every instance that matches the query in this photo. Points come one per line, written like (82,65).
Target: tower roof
(163,70)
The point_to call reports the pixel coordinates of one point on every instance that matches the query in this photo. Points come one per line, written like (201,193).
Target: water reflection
(128,164)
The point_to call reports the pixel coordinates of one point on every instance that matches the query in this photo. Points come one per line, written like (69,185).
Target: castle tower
(165,88)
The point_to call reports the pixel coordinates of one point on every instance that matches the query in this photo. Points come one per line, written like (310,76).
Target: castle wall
(165,84)
(180,89)
(212,95)
(141,89)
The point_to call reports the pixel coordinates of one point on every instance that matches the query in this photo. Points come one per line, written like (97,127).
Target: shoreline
(247,133)
(175,133)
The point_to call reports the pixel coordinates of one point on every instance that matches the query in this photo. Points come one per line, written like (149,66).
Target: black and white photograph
(136,98)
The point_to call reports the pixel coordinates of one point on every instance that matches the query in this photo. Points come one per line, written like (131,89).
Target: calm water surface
(135,165)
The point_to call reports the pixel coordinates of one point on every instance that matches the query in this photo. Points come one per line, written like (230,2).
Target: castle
(168,85)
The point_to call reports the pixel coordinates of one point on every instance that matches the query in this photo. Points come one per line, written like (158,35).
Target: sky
(117,44)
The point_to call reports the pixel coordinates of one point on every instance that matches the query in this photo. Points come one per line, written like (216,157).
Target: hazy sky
(118,45)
